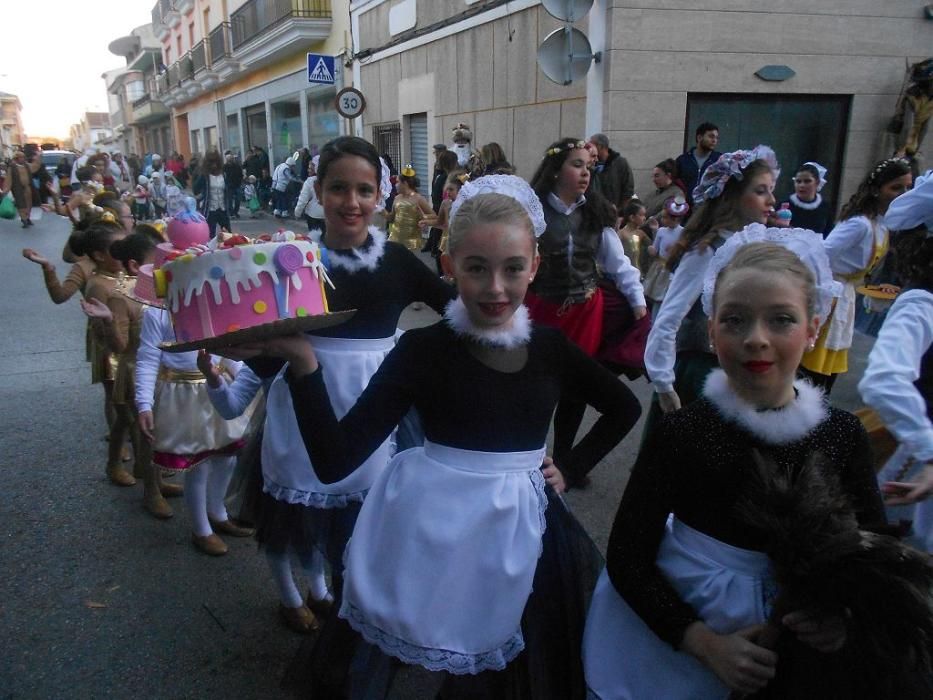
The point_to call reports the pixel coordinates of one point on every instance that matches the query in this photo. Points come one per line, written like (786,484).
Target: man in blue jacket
(692,164)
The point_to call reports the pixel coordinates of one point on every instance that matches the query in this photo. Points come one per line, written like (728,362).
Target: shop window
(323,120)
(286,129)
(233,134)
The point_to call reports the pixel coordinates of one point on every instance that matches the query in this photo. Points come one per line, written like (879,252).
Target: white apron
(441,562)
(288,476)
(730,588)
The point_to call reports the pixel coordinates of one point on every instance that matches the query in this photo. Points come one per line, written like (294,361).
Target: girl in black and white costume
(441,563)
(678,612)
(300,512)
(898,382)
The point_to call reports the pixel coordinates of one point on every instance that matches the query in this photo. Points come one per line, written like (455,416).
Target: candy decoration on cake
(187,227)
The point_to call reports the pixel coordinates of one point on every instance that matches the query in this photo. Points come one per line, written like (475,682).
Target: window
(387,138)
(323,120)
(191,34)
(178,39)
(286,128)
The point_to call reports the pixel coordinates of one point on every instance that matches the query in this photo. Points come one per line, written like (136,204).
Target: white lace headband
(821,173)
(806,245)
(509,185)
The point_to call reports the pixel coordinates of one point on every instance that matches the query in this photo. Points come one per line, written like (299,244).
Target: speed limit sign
(350,103)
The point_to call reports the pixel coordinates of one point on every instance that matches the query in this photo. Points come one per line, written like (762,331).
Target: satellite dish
(565,55)
(567,10)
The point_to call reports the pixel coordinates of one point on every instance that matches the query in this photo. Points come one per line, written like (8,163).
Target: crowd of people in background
(738,309)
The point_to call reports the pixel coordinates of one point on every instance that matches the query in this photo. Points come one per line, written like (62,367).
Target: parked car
(50,159)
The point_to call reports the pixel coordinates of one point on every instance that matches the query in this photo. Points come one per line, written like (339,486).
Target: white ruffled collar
(516,335)
(365,257)
(778,426)
(810,206)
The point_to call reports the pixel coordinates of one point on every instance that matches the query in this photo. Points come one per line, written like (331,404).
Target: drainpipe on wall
(596,77)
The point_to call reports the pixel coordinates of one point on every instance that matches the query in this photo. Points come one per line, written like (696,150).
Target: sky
(55,67)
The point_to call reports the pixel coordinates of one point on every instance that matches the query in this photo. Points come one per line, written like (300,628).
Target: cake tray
(275,329)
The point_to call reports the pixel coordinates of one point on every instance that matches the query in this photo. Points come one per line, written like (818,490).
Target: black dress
(466,407)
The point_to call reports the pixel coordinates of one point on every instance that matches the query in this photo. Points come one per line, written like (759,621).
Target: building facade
(11,124)
(816,79)
(93,132)
(237,73)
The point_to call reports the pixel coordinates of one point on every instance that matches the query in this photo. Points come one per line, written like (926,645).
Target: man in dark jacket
(613,173)
(692,164)
(233,176)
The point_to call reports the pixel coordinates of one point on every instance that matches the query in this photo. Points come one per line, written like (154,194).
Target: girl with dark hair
(808,208)
(856,246)
(210,189)
(898,382)
(408,209)
(579,244)
(300,513)
(94,240)
(734,191)
(119,321)
(663,177)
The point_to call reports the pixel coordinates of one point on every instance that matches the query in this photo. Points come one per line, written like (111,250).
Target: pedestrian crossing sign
(320,69)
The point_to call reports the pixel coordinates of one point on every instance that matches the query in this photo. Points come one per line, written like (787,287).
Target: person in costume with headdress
(856,246)
(739,561)
(898,381)
(807,207)
(408,209)
(462,137)
(579,245)
(911,120)
(470,504)
(733,192)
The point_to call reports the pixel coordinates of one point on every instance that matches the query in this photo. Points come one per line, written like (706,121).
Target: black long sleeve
(462,403)
(696,466)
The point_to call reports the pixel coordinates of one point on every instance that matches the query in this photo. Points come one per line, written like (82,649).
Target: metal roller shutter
(418,140)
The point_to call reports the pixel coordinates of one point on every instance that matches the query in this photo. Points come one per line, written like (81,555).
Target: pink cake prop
(144,290)
(217,292)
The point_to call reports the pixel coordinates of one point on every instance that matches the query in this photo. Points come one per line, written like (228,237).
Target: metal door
(418,144)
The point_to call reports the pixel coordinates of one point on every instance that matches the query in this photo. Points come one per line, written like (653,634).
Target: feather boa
(366,257)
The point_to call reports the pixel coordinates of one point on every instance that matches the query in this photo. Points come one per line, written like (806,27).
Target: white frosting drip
(191,276)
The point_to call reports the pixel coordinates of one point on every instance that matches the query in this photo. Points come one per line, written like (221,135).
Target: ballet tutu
(442,559)
(187,428)
(730,588)
(338,662)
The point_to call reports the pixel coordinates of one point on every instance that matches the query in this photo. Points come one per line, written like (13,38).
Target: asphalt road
(97,598)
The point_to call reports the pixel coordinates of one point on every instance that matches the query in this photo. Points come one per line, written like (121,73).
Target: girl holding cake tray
(299,512)
(470,505)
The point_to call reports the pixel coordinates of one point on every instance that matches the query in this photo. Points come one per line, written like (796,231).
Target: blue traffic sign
(321,69)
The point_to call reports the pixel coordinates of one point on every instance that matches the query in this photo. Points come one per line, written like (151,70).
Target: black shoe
(27,223)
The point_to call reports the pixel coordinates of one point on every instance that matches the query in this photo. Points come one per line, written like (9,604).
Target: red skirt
(581,323)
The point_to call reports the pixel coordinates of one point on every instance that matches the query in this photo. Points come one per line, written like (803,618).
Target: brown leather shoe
(211,544)
(158,507)
(300,619)
(228,527)
(171,490)
(119,476)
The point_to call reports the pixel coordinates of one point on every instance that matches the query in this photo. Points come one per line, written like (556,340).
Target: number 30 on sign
(350,103)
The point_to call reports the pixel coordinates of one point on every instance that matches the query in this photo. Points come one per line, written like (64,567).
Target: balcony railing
(219,42)
(172,74)
(257,16)
(185,68)
(141,101)
(198,57)
(162,84)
